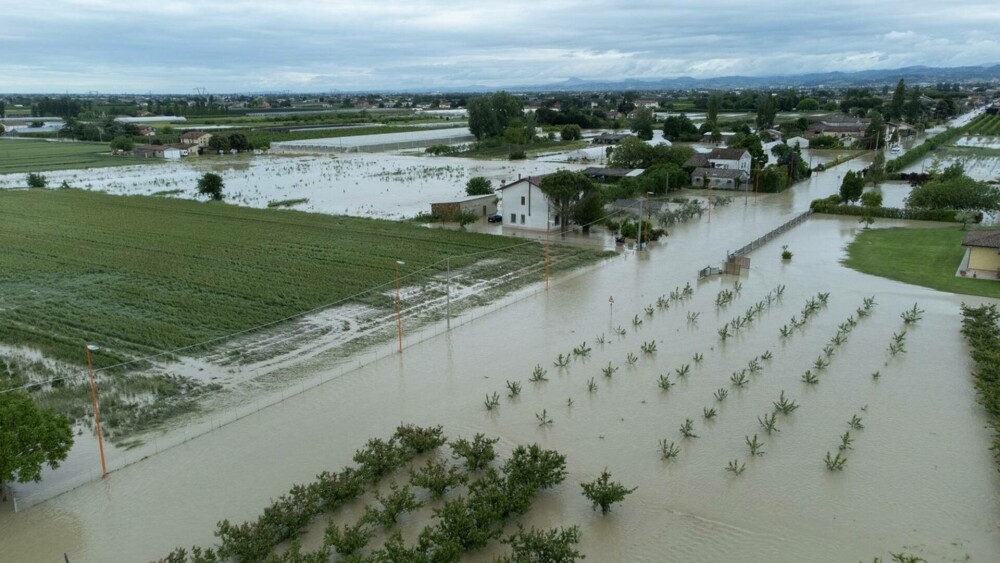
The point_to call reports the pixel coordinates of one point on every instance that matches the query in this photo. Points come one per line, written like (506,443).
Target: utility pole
(97,411)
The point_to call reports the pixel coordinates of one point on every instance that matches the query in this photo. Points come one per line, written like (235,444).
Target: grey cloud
(317,45)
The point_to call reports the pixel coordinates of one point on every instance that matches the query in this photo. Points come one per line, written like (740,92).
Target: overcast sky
(327,45)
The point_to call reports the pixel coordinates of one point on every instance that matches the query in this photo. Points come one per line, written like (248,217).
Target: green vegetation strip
(921,150)
(462,524)
(925,257)
(40,156)
(142,275)
(981,329)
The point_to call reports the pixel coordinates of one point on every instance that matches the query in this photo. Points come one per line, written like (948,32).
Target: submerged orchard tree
(603,492)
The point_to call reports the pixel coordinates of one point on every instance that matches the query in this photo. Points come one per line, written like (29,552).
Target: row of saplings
(462,524)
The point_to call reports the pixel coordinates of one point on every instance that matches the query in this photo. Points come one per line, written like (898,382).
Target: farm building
(610,138)
(157,151)
(982,253)
(481,205)
(525,206)
(611,174)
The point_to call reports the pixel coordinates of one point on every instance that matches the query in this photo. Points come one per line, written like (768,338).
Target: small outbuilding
(481,205)
(720,178)
(610,138)
(982,251)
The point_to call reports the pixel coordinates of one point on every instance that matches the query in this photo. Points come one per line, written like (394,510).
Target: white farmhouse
(525,206)
(730,159)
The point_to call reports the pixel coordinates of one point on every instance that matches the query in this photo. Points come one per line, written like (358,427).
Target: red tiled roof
(984,239)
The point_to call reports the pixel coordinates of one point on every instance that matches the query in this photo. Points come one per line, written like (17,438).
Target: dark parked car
(497,218)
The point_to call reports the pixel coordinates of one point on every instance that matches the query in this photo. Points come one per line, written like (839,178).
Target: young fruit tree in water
(603,492)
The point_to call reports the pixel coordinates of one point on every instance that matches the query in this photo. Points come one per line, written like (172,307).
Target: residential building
(733,159)
(525,206)
(199,138)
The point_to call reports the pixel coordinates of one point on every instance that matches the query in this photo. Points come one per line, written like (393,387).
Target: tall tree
(482,119)
(565,189)
(913,108)
(875,133)
(949,191)
(876,172)
(211,185)
(767,110)
(898,101)
(851,187)
(713,108)
(490,116)
(30,438)
(631,153)
(478,185)
(641,123)
(680,128)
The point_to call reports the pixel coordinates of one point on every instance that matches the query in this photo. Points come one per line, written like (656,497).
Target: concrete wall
(984,259)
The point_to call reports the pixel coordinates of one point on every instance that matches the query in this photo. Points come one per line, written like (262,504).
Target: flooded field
(363,185)
(919,476)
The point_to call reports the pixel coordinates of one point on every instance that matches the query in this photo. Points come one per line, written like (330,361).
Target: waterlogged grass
(142,275)
(925,257)
(40,156)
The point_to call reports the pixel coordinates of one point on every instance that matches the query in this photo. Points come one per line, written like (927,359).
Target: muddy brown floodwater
(919,478)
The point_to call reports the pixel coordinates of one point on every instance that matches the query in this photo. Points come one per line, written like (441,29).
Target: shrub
(36,180)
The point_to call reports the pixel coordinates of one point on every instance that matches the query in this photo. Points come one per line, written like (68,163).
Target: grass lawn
(927,257)
(40,156)
(146,274)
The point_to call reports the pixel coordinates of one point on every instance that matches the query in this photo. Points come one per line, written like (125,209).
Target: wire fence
(760,241)
(421,320)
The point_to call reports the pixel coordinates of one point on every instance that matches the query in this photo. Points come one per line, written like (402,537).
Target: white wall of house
(171,153)
(523,205)
(742,164)
(801,141)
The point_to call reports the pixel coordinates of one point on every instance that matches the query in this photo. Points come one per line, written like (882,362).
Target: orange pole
(97,415)
(399,311)
(546,255)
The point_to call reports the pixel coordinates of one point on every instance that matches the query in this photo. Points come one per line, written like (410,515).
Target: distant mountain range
(911,74)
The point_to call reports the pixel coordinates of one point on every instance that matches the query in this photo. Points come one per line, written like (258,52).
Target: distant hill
(912,75)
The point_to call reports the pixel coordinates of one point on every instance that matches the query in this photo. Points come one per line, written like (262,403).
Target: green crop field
(142,275)
(927,257)
(985,124)
(40,156)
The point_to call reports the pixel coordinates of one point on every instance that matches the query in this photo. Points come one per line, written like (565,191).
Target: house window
(513,218)
(522,200)
(522,218)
